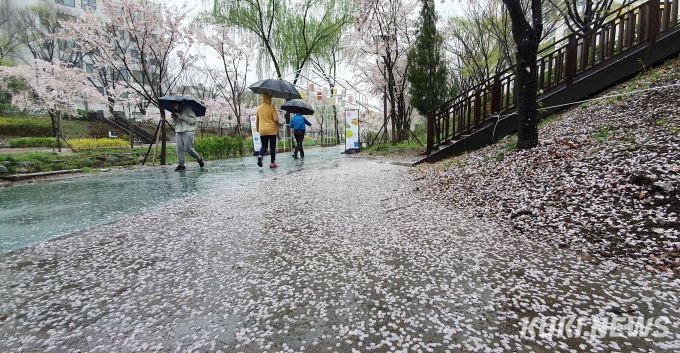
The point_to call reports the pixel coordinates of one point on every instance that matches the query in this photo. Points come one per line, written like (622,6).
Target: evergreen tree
(426,70)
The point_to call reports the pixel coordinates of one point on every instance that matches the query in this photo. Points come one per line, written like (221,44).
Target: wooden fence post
(478,108)
(430,132)
(571,60)
(496,95)
(654,17)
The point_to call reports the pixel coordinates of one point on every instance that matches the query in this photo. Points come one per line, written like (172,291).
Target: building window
(89,68)
(71,3)
(91,3)
(138,76)
(123,75)
(65,44)
(135,54)
(66,17)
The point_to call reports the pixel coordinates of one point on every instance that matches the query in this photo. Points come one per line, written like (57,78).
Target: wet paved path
(342,257)
(43,211)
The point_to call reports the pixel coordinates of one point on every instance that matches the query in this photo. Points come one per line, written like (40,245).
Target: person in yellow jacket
(266,125)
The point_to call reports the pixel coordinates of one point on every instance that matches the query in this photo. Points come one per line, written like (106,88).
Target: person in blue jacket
(297,123)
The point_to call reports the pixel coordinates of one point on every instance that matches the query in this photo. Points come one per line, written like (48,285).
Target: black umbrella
(276,89)
(166,103)
(297,107)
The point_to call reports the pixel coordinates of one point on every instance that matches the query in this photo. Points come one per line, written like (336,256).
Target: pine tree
(426,70)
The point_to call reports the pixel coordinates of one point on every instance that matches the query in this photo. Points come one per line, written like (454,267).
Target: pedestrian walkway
(342,257)
(43,211)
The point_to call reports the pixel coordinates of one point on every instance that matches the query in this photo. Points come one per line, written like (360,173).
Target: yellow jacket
(266,117)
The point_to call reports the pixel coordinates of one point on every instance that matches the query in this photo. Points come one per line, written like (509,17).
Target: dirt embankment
(605,179)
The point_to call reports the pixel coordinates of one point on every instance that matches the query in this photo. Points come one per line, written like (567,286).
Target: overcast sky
(445,10)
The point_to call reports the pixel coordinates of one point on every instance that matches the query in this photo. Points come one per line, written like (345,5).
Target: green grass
(41,126)
(548,119)
(602,135)
(386,149)
(309,142)
(25,126)
(27,142)
(50,161)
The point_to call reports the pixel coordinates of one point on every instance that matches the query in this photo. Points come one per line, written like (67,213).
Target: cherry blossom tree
(236,50)
(53,87)
(146,44)
(377,50)
(217,112)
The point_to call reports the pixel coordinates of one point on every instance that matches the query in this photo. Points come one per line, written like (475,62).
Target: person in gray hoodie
(184,120)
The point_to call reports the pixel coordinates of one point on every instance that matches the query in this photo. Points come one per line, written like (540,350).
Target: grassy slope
(605,179)
(72,128)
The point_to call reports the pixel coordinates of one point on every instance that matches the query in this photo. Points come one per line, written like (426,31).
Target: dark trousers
(271,141)
(299,138)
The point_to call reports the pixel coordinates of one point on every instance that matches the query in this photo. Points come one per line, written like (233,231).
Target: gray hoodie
(188,123)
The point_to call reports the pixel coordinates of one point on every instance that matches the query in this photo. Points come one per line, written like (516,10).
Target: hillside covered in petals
(604,181)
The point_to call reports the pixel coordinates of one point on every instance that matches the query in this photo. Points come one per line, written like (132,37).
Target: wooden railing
(558,65)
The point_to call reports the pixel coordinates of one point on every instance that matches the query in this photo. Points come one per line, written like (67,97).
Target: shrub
(213,147)
(238,144)
(7,108)
(32,142)
(19,126)
(90,144)
(83,114)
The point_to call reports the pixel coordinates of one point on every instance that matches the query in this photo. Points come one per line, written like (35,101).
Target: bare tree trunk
(337,131)
(527,129)
(163,137)
(54,122)
(59,132)
(131,128)
(527,38)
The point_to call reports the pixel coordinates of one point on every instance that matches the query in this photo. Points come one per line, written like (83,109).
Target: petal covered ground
(605,179)
(346,257)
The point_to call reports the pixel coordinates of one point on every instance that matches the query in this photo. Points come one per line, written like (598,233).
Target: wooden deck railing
(558,65)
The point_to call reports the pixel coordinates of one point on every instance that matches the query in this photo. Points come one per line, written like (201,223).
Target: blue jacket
(298,122)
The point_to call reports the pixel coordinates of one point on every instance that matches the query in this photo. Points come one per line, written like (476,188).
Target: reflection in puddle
(42,211)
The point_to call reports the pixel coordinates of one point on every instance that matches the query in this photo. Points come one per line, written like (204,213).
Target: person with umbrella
(267,119)
(184,120)
(266,124)
(298,122)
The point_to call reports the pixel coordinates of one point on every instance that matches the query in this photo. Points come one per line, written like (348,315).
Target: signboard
(351,129)
(257,143)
